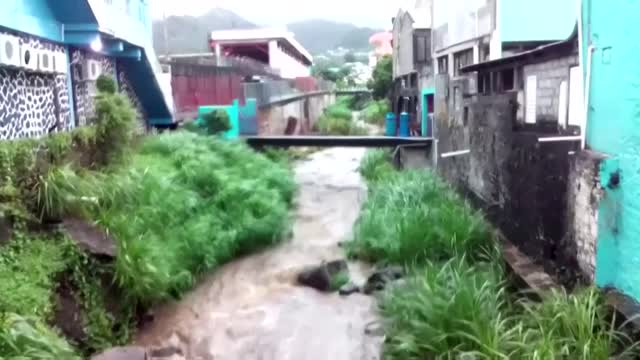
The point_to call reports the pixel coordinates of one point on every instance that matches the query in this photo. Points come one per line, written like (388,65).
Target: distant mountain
(318,36)
(189,34)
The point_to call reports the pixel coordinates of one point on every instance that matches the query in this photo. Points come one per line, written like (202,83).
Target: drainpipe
(587,91)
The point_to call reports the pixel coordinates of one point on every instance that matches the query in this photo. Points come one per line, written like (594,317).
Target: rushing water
(252,308)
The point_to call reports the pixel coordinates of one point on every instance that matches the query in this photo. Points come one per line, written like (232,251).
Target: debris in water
(381,278)
(320,277)
(349,289)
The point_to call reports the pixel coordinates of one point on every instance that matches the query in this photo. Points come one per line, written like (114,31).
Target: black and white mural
(31,103)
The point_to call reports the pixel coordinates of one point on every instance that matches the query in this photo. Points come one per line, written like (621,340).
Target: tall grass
(376,165)
(447,310)
(184,205)
(415,217)
(338,119)
(455,304)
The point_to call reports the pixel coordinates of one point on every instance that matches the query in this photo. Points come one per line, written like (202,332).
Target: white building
(273,47)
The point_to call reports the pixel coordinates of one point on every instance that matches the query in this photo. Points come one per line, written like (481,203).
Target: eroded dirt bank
(252,308)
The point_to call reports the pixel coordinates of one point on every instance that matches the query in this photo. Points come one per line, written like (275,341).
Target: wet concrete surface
(252,308)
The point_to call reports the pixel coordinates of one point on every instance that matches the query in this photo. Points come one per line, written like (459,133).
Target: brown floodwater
(252,308)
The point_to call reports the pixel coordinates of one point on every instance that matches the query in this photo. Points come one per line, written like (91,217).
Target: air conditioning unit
(91,70)
(60,63)
(28,57)
(46,61)
(9,50)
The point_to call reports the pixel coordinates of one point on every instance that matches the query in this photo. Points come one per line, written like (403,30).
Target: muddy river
(252,308)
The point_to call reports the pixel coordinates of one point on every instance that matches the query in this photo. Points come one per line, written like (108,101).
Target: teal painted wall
(537,20)
(614,129)
(33,17)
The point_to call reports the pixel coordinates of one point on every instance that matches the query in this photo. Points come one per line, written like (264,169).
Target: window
(484,83)
(443,64)
(531,97)
(465,117)
(421,49)
(462,59)
(507,80)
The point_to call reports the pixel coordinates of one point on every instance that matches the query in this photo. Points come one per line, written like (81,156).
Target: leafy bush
(217,122)
(376,111)
(115,123)
(376,165)
(414,216)
(106,84)
(339,111)
(185,205)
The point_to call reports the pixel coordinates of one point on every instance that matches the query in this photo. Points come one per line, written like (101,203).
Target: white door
(576,97)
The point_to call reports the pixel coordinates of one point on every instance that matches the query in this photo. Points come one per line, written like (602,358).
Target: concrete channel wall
(543,196)
(295,116)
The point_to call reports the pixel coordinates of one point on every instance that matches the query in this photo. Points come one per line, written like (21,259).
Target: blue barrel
(404,124)
(390,123)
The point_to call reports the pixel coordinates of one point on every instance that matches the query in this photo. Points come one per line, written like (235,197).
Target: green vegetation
(28,338)
(382,80)
(414,217)
(456,303)
(217,122)
(376,165)
(178,205)
(338,119)
(184,205)
(339,280)
(375,112)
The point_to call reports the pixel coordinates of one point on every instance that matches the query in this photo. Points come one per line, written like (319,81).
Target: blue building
(612,78)
(53,51)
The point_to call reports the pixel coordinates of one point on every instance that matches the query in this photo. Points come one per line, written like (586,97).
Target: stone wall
(33,103)
(520,182)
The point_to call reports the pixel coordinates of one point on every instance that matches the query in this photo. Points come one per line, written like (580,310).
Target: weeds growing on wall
(455,303)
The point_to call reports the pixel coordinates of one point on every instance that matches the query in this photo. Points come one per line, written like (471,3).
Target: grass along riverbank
(177,205)
(456,301)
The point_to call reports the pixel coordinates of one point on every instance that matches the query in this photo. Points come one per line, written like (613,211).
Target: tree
(350,58)
(382,80)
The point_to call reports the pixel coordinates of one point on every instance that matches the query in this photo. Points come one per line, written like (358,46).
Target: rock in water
(319,277)
(123,353)
(349,289)
(381,278)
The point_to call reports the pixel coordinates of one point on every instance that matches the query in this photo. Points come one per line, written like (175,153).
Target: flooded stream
(252,308)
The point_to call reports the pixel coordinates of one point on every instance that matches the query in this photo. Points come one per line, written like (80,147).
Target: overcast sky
(374,13)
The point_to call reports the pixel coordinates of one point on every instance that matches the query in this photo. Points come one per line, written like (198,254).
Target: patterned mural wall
(33,104)
(84,90)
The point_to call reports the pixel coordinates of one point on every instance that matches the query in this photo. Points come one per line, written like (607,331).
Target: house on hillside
(52,52)
(412,66)
(275,48)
